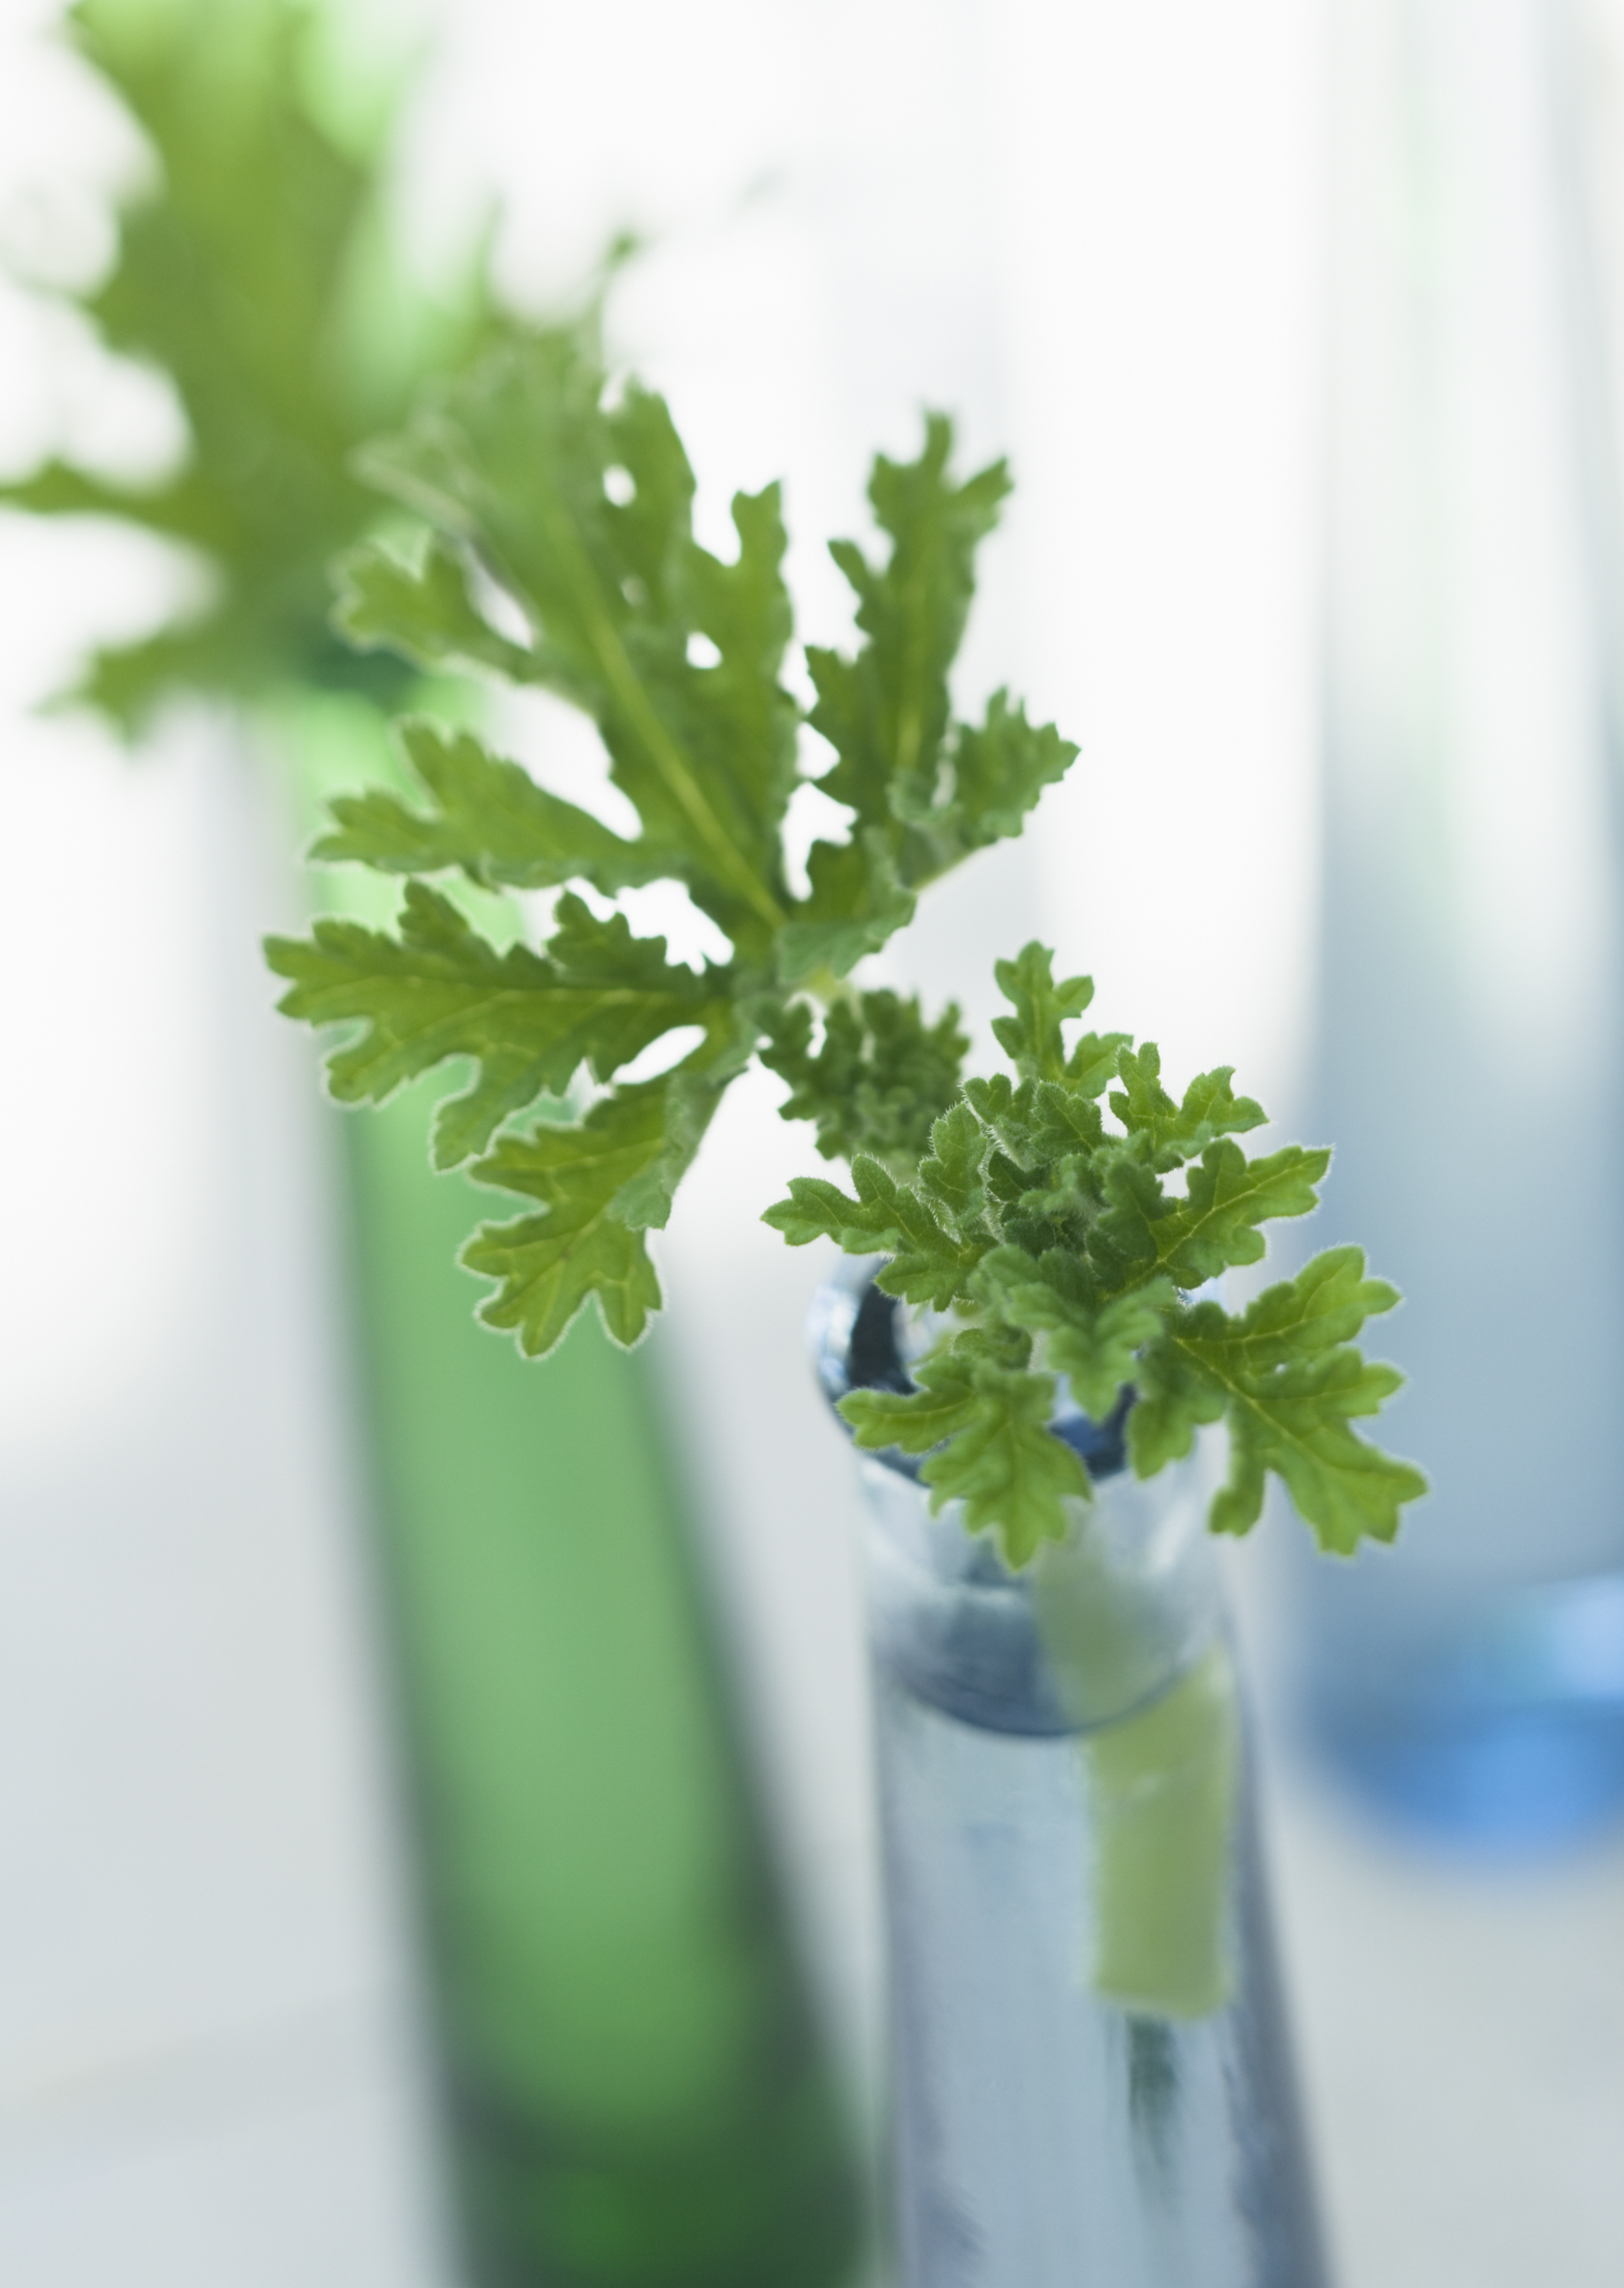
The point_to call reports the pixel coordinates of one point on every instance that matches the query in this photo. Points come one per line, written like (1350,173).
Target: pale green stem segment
(1163,1786)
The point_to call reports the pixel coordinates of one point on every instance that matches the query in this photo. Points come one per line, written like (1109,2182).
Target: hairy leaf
(982,1426)
(1227,1197)
(1178,1132)
(575,508)
(1031,1039)
(1093,1343)
(999,771)
(440,991)
(879,1078)
(422,609)
(1044,1224)
(489,819)
(1094,1060)
(1005,1466)
(521,461)
(927,1263)
(1176,1398)
(575,1246)
(918,1420)
(1295,1422)
(951,1172)
(1292,1385)
(887,712)
(1326,1304)
(1125,1243)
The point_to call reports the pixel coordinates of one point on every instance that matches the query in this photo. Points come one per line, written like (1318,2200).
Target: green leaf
(489,818)
(928,1264)
(1142,1104)
(1125,1243)
(423,610)
(887,712)
(1178,1131)
(575,1247)
(440,991)
(1044,1126)
(1227,1197)
(1297,1425)
(516,461)
(952,1173)
(854,904)
(1094,1343)
(914,1420)
(1291,1386)
(690,1094)
(1178,1397)
(178,510)
(1094,1060)
(252,271)
(1030,1221)
(1326,1304)
(1006,1466)
(1031,1039)
(994,1451)
(998,774)
(1211,1109)
(879,1078)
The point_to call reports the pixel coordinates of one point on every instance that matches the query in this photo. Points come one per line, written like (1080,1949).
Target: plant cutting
(636,2083)
(1056,1246)
(1054,1392)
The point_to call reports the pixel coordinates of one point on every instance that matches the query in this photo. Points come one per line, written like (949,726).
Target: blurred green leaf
(256,273)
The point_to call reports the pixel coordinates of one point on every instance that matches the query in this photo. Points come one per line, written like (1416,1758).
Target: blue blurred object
(1471,1048)
(1498,1720)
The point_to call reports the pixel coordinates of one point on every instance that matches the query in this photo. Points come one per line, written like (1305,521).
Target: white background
(1093,232)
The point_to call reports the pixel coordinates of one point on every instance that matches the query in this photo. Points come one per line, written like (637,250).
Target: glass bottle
(1091,2076)
(1471,1039)
(637,2088)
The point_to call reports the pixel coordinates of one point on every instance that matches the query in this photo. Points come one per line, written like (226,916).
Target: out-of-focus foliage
(256,272)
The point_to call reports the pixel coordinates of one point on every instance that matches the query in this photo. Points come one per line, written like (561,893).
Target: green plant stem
(1164,1783)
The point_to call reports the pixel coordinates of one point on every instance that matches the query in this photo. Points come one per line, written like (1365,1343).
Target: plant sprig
(575,505)
(1059,1248)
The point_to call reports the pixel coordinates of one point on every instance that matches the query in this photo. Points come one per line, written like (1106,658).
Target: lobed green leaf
(1005,1465)
(577,1247)
(1094,1343)
(1030,1221)
(887,712)
(422,609)
(582,513)
(1031,1039)
(489,820)
(928,1264)
(855,901)
(999,772)
(879,1078)
(1178,1132)
(1227,1197)
(440,989)
(1297,1425)
(1291,1385)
